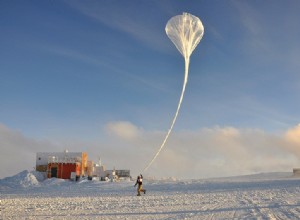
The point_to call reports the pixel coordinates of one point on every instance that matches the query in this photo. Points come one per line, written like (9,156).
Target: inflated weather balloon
(185,31)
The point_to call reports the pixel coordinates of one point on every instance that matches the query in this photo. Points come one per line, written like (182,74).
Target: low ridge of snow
(258,176)
(22,179)
(28,195)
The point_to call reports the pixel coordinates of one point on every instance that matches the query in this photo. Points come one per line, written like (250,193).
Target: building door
(53,171)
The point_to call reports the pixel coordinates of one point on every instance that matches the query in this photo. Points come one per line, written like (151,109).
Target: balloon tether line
(174,119)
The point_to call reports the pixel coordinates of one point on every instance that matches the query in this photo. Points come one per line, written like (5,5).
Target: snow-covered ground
(262,196)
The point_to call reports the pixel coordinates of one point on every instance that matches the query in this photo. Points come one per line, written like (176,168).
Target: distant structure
(123,173)
(296,171)
(74,165)
(115,175)
(63,165)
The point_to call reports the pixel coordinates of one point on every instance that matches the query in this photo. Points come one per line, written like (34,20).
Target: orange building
(62,164)
(63,170)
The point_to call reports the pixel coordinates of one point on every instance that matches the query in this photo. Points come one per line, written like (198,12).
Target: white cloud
(259,36)
(18,152)
(292,138)
(269,37)
(123,129)
(207,152)
(123,19)
(293,135)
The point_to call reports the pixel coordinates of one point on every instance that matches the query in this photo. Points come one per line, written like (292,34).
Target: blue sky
(79,74)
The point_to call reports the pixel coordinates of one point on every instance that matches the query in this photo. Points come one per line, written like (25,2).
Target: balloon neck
(187,59)
(187,63)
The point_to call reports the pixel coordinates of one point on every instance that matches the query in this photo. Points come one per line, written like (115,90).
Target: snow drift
(21,180)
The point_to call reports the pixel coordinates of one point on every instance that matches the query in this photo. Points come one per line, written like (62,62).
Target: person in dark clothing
(139,182)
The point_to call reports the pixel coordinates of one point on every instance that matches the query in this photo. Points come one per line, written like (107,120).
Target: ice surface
(260,196)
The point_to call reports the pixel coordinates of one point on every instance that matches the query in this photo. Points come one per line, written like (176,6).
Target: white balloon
(185,31)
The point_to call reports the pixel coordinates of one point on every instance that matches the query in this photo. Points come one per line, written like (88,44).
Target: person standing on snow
(139,182)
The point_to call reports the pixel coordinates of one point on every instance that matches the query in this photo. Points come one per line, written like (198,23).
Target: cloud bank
(18,152)
(207,152)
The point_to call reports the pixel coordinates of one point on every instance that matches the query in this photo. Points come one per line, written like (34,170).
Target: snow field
(236,198)
(257,204)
